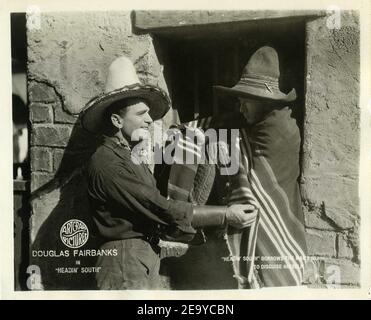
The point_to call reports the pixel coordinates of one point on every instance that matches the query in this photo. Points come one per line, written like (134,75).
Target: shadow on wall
(62,199)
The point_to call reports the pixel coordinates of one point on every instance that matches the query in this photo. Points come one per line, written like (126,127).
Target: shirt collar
(115,142)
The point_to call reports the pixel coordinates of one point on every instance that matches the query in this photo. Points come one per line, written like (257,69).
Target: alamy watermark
(187,146)
(33,18)
(333,20)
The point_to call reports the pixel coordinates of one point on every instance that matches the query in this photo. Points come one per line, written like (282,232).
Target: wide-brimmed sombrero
(260,78)
(123,83)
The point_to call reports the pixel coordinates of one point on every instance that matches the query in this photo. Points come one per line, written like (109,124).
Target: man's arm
(126,190)
(121,187)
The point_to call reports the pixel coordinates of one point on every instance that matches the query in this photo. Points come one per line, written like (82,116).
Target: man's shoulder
(277,127)
(282,120)
(101,159)
(104,160)
(280,114)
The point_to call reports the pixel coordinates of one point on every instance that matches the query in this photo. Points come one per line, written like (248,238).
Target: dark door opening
(198,57)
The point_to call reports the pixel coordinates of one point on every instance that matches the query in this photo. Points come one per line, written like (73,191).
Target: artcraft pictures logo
(74,233)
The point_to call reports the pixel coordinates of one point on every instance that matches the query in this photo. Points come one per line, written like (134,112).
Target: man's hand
(241,215)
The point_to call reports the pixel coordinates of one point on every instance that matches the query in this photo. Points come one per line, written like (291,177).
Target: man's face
(134,117)
(252,110)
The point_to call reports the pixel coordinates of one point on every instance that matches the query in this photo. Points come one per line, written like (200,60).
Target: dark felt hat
(260,78)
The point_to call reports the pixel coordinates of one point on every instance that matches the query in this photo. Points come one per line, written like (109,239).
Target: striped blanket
(183,175)
(272,251)
(274,156)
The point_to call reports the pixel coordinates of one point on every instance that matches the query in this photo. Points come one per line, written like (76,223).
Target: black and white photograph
(182,149)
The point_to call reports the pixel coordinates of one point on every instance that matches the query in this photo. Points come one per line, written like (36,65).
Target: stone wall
(331,146)
(67,63)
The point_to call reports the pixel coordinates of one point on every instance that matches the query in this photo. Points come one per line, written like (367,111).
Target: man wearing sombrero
(128,209)
(270,144)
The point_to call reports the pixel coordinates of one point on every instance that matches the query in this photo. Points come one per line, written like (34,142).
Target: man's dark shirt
(125,200)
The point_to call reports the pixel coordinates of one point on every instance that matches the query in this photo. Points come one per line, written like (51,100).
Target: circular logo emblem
(74,233)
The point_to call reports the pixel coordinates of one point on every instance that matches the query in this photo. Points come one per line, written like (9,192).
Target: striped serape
(184,185)
(184,173)
(271,252)
(269,170)
(190,178)
(242,242)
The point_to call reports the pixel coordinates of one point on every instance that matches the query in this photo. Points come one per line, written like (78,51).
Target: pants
(136,266)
